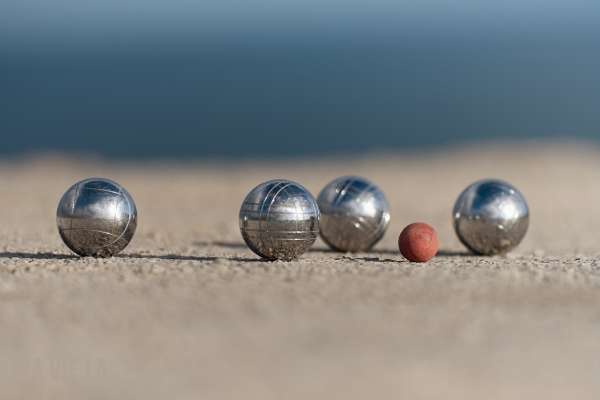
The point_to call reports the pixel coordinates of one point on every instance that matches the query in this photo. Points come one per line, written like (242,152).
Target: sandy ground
(188,312)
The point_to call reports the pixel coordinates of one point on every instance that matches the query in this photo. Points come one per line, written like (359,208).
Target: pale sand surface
(188,312)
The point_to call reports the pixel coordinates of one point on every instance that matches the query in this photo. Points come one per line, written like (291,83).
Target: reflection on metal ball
(96,217)
(279,220)
(354,214)
(491,217)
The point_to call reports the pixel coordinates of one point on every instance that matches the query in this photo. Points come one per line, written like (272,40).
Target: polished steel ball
(96,217)
(354,214)
(491,217)
(279,220)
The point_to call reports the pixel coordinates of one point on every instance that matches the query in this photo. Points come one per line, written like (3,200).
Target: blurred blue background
(278,78)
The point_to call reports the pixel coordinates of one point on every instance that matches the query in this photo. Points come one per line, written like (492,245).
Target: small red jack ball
(418,242)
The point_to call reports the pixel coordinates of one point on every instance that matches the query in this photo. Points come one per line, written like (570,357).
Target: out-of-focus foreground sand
(188,312)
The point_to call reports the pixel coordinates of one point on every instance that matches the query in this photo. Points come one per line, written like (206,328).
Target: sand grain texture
(188,312)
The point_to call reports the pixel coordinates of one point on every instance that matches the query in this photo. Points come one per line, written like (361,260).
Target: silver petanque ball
(279,220)
(491,217)
(354,214)
(96,217)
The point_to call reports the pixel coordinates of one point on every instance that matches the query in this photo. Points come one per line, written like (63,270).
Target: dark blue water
(241,97)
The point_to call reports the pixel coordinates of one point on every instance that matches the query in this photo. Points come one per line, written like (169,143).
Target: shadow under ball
(279,220)
(96,217)
(354,214)
(491,217)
